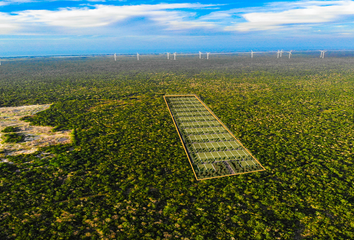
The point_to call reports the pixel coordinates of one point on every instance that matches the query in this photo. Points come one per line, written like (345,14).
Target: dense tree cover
(126,176)
(13,137)
(10,129)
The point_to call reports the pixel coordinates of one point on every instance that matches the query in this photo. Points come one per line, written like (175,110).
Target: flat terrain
(125,174)
(35,136)
(211,149)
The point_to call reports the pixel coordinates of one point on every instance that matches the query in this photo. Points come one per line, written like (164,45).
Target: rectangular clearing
(212,150)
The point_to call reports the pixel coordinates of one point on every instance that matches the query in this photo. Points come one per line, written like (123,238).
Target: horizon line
(162,53)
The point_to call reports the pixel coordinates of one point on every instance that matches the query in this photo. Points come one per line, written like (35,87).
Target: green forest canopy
(126,175)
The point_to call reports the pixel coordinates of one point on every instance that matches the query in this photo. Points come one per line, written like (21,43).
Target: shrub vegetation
(13,137)
(10,129)
(127,176)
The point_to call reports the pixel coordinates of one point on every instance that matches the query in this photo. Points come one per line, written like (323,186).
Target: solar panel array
(212,149)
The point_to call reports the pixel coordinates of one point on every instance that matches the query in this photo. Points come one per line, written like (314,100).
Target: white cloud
(172,16)
(7,24)
(216,16)
(177,20)
(309,12)
(301,4)
(301,16)
(7,2)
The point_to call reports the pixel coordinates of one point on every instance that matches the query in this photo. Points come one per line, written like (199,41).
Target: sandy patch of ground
(35,136)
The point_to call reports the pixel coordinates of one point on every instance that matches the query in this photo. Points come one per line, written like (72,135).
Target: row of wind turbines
(168,56)
(279,54)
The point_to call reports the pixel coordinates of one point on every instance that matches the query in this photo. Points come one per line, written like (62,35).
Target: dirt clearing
(35,136)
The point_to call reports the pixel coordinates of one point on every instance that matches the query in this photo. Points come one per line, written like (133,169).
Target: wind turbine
(251,54)
(290,52)
(281,53)
(208,55)
(174,56)
(278,54)
(115,57)
(200,55)
(322,54)
(137,56)
(168,56)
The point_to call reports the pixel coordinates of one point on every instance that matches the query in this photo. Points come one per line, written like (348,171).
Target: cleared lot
(209,145)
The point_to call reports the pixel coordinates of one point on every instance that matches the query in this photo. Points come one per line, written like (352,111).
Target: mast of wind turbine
(281,53)
(115,57)
(168,56)
(290,53)
(251,54)
(208,55)
(322,53)
(137,56)
(174,56)
(278,54)
(200,55)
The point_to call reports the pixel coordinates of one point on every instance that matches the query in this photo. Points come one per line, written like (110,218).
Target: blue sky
(37,27)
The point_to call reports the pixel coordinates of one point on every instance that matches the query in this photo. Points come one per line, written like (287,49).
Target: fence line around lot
(208,143)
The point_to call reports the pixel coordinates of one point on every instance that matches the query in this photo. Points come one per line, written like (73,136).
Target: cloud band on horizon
(177,17)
